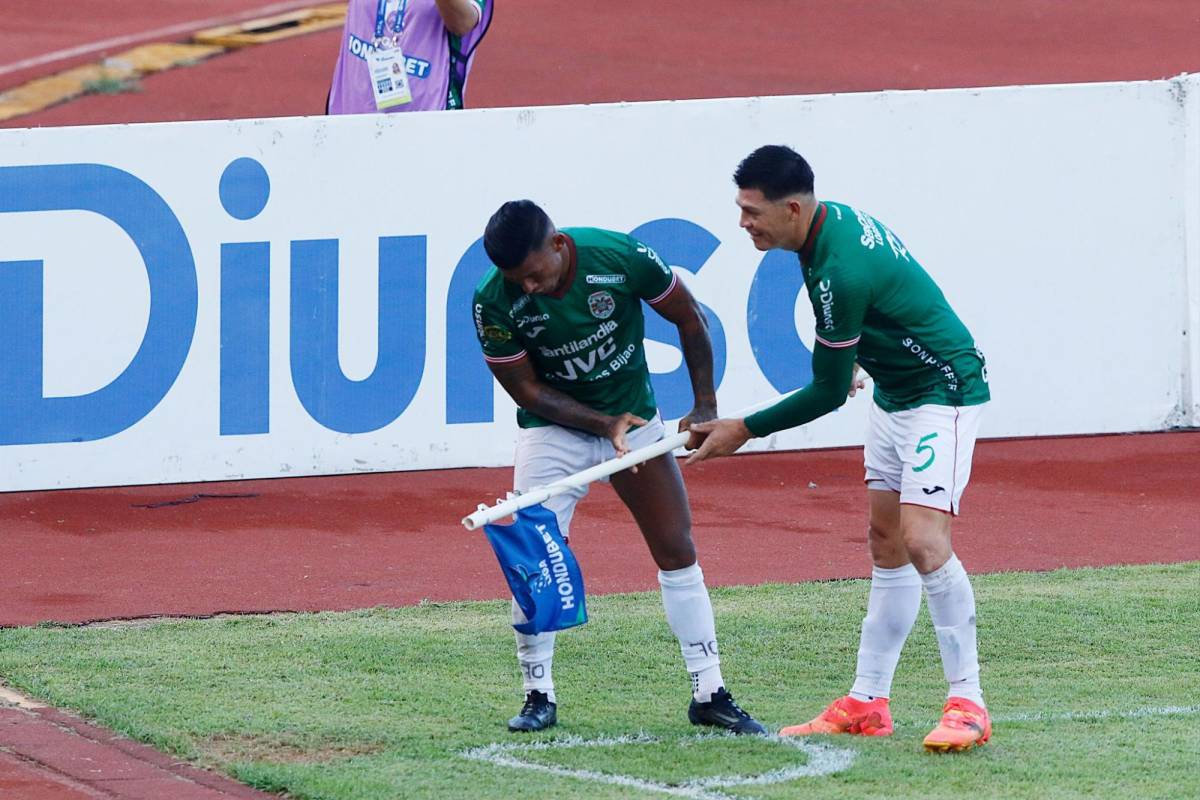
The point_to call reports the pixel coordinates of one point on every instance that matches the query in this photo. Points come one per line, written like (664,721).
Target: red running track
(542,52)
(46,754)
(308,544)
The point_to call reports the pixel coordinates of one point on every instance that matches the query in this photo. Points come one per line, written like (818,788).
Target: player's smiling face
(543,270)
(770,223)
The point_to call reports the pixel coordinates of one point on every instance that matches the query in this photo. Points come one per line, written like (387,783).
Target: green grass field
(1091,677)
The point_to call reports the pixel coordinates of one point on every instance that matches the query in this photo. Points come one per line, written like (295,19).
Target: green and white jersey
(588,343)
(868,290)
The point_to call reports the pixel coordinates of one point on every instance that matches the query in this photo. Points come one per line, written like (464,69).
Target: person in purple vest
(406,55)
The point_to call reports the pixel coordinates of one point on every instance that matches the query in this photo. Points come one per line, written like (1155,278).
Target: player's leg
(893,603)
(656,497)
(544,455)
(937,469)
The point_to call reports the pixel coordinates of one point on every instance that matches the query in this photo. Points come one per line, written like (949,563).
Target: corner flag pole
(540,494)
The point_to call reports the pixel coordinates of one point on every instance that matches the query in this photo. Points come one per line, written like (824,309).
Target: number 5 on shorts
(924,448)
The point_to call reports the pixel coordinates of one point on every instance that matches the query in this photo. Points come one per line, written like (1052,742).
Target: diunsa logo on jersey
(601,304)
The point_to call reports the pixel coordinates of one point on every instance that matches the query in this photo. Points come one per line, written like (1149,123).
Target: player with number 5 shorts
(876,307)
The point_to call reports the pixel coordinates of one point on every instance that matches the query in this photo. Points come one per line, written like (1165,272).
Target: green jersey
(874,304)
(587,343)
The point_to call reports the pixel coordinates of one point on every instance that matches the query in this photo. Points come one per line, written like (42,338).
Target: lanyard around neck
(381,17)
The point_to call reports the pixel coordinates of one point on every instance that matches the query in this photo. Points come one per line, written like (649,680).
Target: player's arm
(459,16)
(532,394)
(833,372)
(840,304)
(679,307)
(660,287)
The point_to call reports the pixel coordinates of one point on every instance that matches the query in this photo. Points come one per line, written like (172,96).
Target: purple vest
(433,65)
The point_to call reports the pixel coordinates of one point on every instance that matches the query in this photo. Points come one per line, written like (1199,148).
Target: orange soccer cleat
(848,715)
(964,725)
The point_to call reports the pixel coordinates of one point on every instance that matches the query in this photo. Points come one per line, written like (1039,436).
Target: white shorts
(924,453)
(552,452)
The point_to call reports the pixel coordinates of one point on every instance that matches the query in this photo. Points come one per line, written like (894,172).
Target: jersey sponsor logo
(529,319)
(826,299)
(521,302)
(929,359)
(653,256)
(604,279)
(479,319)
(898,248)
(582,356)
(494,333)
(579,345)
(870,235)
(622,358)
(601,304)
(577,367)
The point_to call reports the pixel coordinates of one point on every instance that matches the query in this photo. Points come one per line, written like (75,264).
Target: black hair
(516,229)
(775,170)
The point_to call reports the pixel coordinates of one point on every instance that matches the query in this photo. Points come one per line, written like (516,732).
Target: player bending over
(560,322)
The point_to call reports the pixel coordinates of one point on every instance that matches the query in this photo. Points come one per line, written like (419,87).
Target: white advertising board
(223,300)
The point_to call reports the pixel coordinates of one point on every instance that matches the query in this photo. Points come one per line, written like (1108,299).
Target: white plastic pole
(485,514)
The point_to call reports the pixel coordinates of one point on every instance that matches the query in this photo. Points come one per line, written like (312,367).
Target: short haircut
(775,170)
(516,229)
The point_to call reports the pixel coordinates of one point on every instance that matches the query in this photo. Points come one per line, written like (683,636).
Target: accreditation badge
(389,76)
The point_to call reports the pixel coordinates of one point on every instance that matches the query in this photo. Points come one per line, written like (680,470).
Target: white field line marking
(157,33)
(823,760)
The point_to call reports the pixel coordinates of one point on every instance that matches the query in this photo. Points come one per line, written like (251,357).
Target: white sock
(952,608)
(690,615)
(535,654)
(892,609)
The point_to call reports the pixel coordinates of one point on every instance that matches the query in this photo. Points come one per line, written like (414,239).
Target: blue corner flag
(540,569)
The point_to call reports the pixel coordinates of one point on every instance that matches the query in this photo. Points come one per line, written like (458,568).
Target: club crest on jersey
(601,304)
(496,334)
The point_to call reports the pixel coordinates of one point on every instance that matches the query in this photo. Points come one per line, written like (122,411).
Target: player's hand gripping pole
(485,514)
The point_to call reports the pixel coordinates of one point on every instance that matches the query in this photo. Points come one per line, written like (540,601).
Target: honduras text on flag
(540,569)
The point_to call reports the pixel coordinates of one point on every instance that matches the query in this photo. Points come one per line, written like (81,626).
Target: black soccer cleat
(537,714)
(722,712)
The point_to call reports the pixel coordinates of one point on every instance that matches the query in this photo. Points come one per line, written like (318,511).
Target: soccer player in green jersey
(560,322)
(876,307)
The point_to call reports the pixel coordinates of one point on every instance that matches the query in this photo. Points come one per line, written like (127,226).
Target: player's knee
(927,549)
(878,532)
(886,546)
(677,553)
